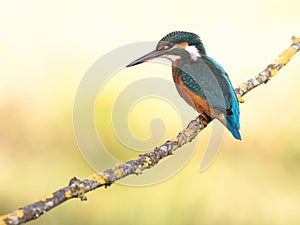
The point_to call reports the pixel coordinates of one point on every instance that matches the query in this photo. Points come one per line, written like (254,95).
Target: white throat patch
(193,51)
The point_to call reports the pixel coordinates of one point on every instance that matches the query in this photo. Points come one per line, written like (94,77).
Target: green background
(46,48)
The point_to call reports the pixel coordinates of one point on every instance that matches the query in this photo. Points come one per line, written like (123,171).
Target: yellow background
(47,46)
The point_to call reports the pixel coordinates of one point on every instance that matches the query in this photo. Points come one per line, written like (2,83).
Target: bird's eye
(165,46)
(168,45)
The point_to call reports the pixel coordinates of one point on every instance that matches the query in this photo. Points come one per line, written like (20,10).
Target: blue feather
(209,80)
(233,121)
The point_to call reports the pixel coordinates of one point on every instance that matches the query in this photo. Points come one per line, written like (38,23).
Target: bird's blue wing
(210,82)
(208,79)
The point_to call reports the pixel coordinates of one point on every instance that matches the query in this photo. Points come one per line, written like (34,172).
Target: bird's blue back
(207,78)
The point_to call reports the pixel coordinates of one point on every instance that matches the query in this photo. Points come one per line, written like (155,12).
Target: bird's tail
(229,120)
(233,125)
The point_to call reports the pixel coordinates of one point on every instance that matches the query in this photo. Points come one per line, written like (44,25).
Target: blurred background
(47,47)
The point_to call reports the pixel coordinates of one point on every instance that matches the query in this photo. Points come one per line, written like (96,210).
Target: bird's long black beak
(147,57)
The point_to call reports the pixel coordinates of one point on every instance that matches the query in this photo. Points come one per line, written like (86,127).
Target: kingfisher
(199,79)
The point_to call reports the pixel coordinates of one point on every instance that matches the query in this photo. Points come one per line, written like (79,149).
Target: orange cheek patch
(183,45)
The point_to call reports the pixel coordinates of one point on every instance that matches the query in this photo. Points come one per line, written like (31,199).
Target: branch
(77,188)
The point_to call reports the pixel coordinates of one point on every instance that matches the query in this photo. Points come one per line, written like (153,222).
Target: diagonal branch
(77,188)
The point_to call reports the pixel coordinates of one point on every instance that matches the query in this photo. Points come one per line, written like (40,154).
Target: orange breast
(196,101)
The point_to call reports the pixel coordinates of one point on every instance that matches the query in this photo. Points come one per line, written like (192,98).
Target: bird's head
(175,46)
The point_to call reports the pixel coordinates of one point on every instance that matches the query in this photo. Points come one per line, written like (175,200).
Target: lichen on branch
(78,188)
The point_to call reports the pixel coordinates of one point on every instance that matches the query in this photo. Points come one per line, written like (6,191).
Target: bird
(199,79)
